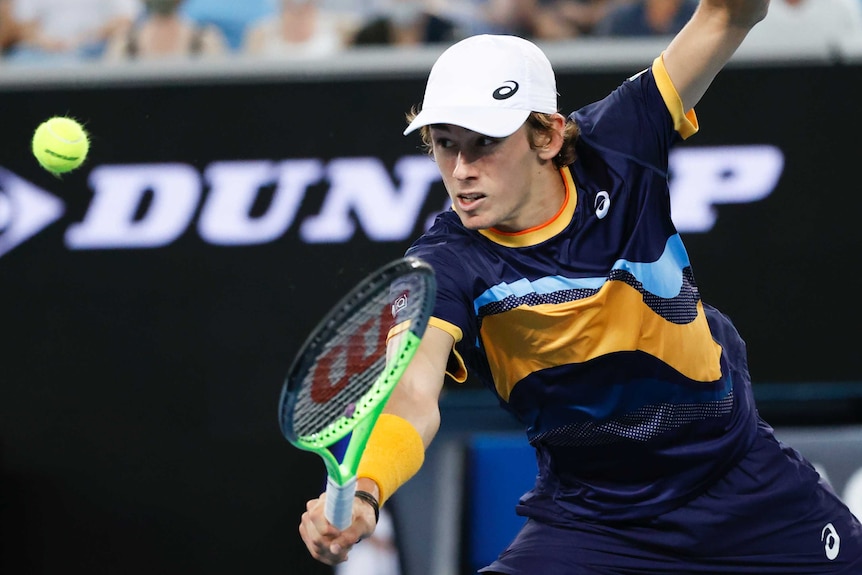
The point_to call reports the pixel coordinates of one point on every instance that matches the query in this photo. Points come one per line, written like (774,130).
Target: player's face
(493,182)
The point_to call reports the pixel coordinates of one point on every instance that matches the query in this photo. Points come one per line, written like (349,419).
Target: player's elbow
(431,425)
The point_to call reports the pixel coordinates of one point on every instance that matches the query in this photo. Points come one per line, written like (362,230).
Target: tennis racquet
(346,370)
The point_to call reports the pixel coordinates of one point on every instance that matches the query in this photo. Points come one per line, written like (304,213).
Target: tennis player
(564,288)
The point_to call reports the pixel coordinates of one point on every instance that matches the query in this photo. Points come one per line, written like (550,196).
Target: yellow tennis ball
(60,144)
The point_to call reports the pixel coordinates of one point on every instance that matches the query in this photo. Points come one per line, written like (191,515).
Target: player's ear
(552,139)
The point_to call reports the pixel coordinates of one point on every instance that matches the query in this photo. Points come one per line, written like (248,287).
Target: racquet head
(345,371)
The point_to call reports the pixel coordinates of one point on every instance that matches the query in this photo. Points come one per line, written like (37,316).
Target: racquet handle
(338,508)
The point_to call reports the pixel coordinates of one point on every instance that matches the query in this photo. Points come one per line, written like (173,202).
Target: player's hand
(325,542)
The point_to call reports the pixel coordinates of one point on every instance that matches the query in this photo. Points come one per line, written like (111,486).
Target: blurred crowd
(51,31)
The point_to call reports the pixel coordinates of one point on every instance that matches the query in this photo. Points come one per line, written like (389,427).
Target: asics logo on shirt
(602,204)
(831,541)
(507,90)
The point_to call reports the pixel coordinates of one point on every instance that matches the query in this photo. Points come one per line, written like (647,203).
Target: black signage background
(139,386)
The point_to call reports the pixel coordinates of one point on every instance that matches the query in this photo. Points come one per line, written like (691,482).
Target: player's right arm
(395,450)
(706,43)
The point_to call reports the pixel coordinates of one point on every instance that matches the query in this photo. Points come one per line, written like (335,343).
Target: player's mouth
(469,202)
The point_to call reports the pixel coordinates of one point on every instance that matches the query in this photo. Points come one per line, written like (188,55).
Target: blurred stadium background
(152,299)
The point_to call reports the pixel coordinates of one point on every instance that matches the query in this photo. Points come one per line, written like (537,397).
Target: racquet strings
(351,357)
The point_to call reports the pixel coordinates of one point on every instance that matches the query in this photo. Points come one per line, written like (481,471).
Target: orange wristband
(394,453)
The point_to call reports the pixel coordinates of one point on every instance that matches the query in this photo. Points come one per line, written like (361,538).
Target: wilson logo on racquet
(355,356)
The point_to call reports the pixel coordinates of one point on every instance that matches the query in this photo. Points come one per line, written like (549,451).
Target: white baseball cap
(488,84)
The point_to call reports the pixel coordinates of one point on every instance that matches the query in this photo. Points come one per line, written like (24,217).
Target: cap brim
(493,122)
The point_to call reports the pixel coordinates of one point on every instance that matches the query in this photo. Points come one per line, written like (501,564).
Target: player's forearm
(396,448)
(417,394)
(393,455)
(706,43)
(417,406)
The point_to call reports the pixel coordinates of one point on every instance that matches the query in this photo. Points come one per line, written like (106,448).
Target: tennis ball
(60,144)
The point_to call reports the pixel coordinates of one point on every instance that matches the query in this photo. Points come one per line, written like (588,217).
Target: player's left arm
(707,42)
(414,416)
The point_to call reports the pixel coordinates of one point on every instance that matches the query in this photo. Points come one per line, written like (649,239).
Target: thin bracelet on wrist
(372,501)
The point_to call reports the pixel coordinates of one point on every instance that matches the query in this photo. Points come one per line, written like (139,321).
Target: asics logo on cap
(507,90)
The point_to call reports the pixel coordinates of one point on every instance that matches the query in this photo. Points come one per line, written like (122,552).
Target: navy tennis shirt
(590,329)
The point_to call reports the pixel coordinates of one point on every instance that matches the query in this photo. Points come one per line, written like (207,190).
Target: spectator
(232,17)
(52,30)
(8,26)
(543,19)
(403,23)
(301,28)
(535,19)
(647,18)
(165,33)
(581,16)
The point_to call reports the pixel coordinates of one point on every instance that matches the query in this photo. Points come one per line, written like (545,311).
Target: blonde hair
(539,124)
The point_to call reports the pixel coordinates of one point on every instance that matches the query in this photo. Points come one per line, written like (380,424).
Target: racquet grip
(338,508)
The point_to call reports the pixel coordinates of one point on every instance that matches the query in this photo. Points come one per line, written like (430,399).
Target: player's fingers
(327,557)
(341,545)
(338,550)
(322,547)
(344,541)
(314,505)
(317,543)
(325,542)
(315,514)
(352,535)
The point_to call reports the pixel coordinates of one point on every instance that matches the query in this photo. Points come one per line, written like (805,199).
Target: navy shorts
(771,514)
